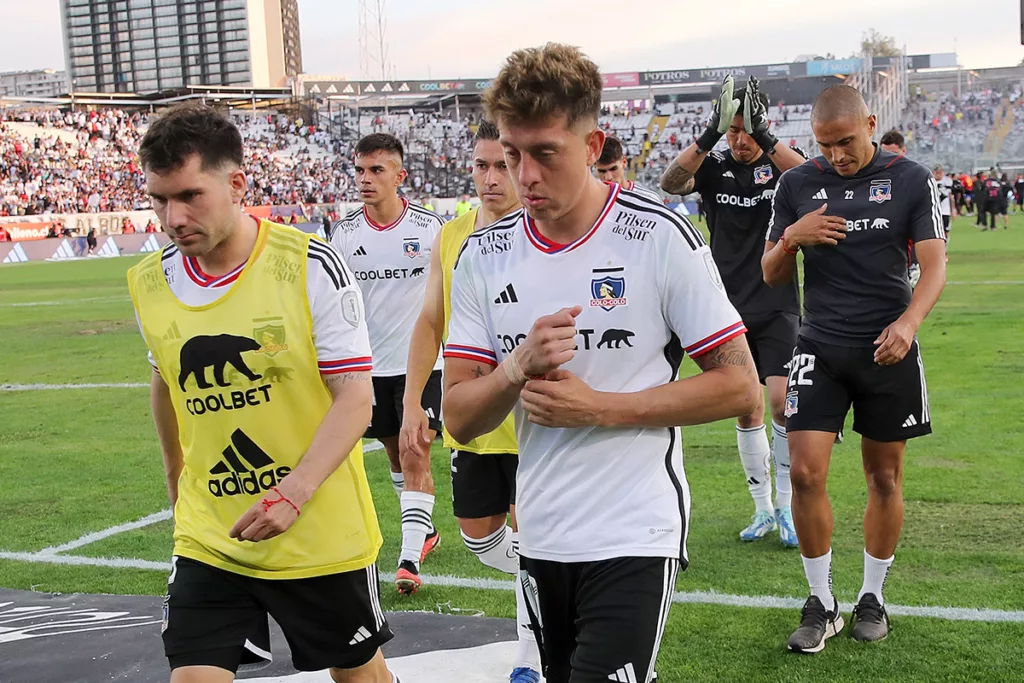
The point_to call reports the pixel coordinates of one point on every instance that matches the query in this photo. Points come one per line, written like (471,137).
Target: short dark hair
(380,142)
(486,131)
(188,129)
(838,101)
(611,152)
(894,137)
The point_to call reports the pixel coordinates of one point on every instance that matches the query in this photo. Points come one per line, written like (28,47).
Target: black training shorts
(388,407)
(213,617)
(600,621)
(771,340)
(890,402)
(483,484)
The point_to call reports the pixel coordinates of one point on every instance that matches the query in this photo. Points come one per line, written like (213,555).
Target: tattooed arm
(679,176)
(477,398)
(726,387)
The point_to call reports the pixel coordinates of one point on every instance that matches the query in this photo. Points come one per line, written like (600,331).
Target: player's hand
(416,434)
(550,343)
(262,522)
(561,399)
(815,228)
(755,117)
(722,114)
(894,342)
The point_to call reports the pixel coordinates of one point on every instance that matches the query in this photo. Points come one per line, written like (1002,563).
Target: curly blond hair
(538,82)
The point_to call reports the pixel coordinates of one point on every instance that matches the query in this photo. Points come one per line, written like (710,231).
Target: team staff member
(483,470)
(611,168)
(272,511)
(388,243)
(852,211)
(736,187)
(602,497)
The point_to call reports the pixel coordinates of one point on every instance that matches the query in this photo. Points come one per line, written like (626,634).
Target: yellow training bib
(453,235)
(248,397)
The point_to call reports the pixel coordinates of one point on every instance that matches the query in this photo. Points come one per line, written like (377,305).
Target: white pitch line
(95,536)
(54,387)
(699,597)
(987,282)
(65,302)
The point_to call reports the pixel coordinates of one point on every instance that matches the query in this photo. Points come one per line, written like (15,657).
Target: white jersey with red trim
(340,347)
(643,191)
(391,264)
(649,290)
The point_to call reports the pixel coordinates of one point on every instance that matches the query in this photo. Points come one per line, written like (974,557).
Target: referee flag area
(85,533)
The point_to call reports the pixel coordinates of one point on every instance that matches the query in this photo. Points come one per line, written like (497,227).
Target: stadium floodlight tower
(373,40)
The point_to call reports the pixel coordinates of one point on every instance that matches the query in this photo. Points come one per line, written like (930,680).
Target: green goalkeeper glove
(721,117)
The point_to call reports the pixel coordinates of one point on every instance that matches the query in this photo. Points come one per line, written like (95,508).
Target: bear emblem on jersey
(608,292)
(762,174)
(881,191)
(411,247)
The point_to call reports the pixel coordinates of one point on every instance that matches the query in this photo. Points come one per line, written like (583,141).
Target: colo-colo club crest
(269,332)
(608,292)
(411,247)
(762,174)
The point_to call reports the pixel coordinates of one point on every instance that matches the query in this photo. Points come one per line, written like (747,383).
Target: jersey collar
(550,247)
(381,228)
(196,274)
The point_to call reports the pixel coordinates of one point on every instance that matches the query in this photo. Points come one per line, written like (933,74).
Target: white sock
(398,483)
(417,508)
(754,455)
(818,571)
(875,573)
(527,653)
(495,551)
(780,454)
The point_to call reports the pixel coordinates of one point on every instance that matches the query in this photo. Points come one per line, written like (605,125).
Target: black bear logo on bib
(216,351)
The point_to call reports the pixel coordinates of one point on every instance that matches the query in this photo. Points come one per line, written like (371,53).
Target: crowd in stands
(84,161)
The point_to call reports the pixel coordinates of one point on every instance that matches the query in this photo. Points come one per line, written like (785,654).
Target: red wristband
(791,252)
(267,504)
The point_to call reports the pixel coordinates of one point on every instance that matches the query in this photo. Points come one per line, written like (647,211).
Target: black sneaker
(816,625)
(870,622)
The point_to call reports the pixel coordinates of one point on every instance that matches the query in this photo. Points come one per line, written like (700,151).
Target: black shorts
(483,484)
(771,341)
(890,402)
(217,618)
(600,621)
(945,222)
(1002,208)
(388,407)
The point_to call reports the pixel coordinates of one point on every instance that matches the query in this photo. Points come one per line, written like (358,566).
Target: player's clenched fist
(550,343)
(813,229)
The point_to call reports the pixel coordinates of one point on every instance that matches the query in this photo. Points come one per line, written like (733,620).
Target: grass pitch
(77,461)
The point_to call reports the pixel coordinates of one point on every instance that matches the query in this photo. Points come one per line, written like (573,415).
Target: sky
(470,38)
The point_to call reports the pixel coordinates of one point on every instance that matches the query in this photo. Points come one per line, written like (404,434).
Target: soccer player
(611,288)
(737,186)
(981,200)
(611,168)
(893,142)
(388,244)
(484,469)
(852,212)
(260,393)
(945,186)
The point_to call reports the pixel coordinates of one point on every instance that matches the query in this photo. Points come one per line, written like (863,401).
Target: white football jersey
(945,191)
(649,290)
(391,264)
(643,191)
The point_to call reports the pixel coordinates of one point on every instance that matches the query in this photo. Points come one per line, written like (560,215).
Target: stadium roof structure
(232,96)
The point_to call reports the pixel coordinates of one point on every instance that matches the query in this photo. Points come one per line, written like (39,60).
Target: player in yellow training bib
(260,394)
(483,470)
